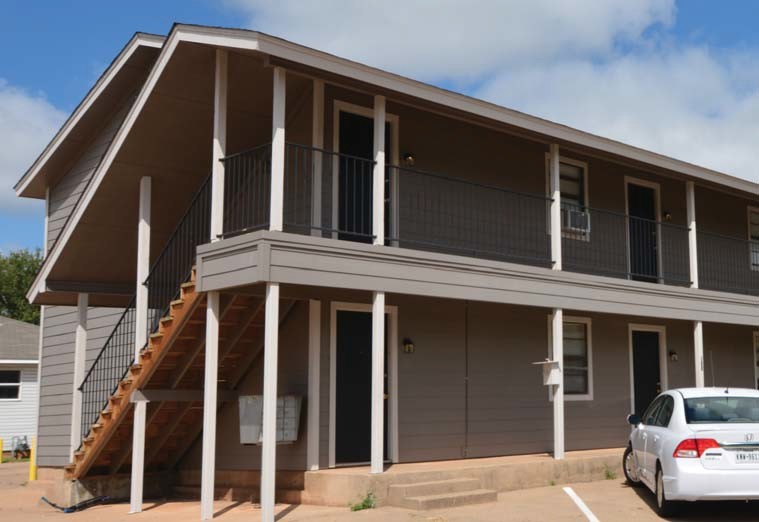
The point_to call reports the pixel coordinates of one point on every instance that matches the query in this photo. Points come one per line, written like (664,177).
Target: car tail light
(694,448)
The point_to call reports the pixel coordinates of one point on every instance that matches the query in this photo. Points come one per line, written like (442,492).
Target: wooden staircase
(173,360)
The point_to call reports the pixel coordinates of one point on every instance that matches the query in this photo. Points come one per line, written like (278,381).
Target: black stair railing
(171,268)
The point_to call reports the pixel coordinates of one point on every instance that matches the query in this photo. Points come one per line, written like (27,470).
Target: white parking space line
(580,504)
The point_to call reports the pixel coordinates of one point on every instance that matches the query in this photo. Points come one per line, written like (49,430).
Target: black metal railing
(727,263)
(174,264)
(171,268)
(108,369)
(449,215)
(613,244)
(247,189)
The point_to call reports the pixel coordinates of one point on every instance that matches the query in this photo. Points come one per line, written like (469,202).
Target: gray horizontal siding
(56,385)
(65,195)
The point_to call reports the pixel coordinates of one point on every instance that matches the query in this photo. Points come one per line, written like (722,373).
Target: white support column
(138,456)
(314,359)
(317,141)
(80,356)
(378,221)
(219,149)
(210,389)
(557,342)
(378,383)
(698,327)
(553,165)
(269,446)
(143,268)
(278,150)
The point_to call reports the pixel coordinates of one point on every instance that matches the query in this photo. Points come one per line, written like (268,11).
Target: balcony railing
(617,245)
(728,263)
(331,195)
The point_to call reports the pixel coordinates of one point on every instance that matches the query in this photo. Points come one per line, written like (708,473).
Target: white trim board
(138,40)
(663,371)
(392,376)
(19,361)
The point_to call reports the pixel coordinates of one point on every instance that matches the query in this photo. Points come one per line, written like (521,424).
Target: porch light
(673,356)
(408,159)
(408,345)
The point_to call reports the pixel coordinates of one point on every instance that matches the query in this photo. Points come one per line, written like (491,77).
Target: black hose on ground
(78,507)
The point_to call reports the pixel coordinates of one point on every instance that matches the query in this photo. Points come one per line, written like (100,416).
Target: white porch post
(557,339)
(138,456)
(141,312)
(378,383)
(269,447)
(210,388)
(143,268)
(219,149)
(80,356)
(698,327)
(317,141)
(278,151)
(314,356)
(557,320)
(378,221)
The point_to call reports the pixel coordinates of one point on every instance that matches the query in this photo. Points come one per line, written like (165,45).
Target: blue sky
(697,56)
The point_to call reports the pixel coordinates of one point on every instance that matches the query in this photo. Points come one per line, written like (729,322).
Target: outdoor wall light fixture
(408,345)
(667,215)
(408,159)
(673,356)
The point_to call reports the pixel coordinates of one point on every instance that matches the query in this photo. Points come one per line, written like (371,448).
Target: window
(753,236)
(10,384)
(649,416)
(756,359)
(573,185)
(665,412)
(577,364)
(716,410)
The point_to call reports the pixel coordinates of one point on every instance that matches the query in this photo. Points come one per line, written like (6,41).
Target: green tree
(18,269)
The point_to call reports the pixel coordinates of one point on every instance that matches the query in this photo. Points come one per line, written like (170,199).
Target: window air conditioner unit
(575,219)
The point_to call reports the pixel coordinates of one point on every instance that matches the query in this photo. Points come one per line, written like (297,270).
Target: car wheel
(664,507)
(629,469)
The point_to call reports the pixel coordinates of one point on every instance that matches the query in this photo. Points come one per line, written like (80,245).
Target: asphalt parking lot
(607,500)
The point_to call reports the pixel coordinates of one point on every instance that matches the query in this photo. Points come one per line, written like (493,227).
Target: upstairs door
(355,176)
(642,232)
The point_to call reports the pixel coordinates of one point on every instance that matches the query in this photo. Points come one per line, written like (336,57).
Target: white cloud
(452,40)
(613,67)
(27,123)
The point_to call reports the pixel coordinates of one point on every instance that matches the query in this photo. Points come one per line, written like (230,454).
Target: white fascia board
(137,41)
(18,361)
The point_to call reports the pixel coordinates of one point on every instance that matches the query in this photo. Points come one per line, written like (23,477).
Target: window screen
(10,384)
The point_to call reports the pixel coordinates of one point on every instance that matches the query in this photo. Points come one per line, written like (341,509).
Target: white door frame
(392,375)
(662,331)
(630,180)
(368,112)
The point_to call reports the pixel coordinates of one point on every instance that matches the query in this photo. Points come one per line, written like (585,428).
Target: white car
(696,444)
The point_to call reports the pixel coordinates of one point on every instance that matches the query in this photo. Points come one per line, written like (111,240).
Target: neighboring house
(19,390)
(233,214)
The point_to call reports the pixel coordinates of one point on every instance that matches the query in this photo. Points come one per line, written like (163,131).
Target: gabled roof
(293,54)
(31,185)
(19,341)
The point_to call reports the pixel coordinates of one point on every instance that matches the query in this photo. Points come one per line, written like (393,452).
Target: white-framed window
(578,357)
(573,185)
(10,385)
(753,237)
(756,359)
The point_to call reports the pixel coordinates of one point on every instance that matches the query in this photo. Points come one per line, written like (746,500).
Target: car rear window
(710,410)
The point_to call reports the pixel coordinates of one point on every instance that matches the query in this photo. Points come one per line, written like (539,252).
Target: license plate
(747,457)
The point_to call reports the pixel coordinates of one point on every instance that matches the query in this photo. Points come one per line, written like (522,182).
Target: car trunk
(739,445)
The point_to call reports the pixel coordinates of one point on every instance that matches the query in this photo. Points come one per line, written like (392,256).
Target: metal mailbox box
(251,418)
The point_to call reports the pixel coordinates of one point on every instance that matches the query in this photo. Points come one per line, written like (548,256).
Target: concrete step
(448,500)
(397,492)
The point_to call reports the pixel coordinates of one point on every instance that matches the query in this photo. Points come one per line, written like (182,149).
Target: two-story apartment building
(231,214)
